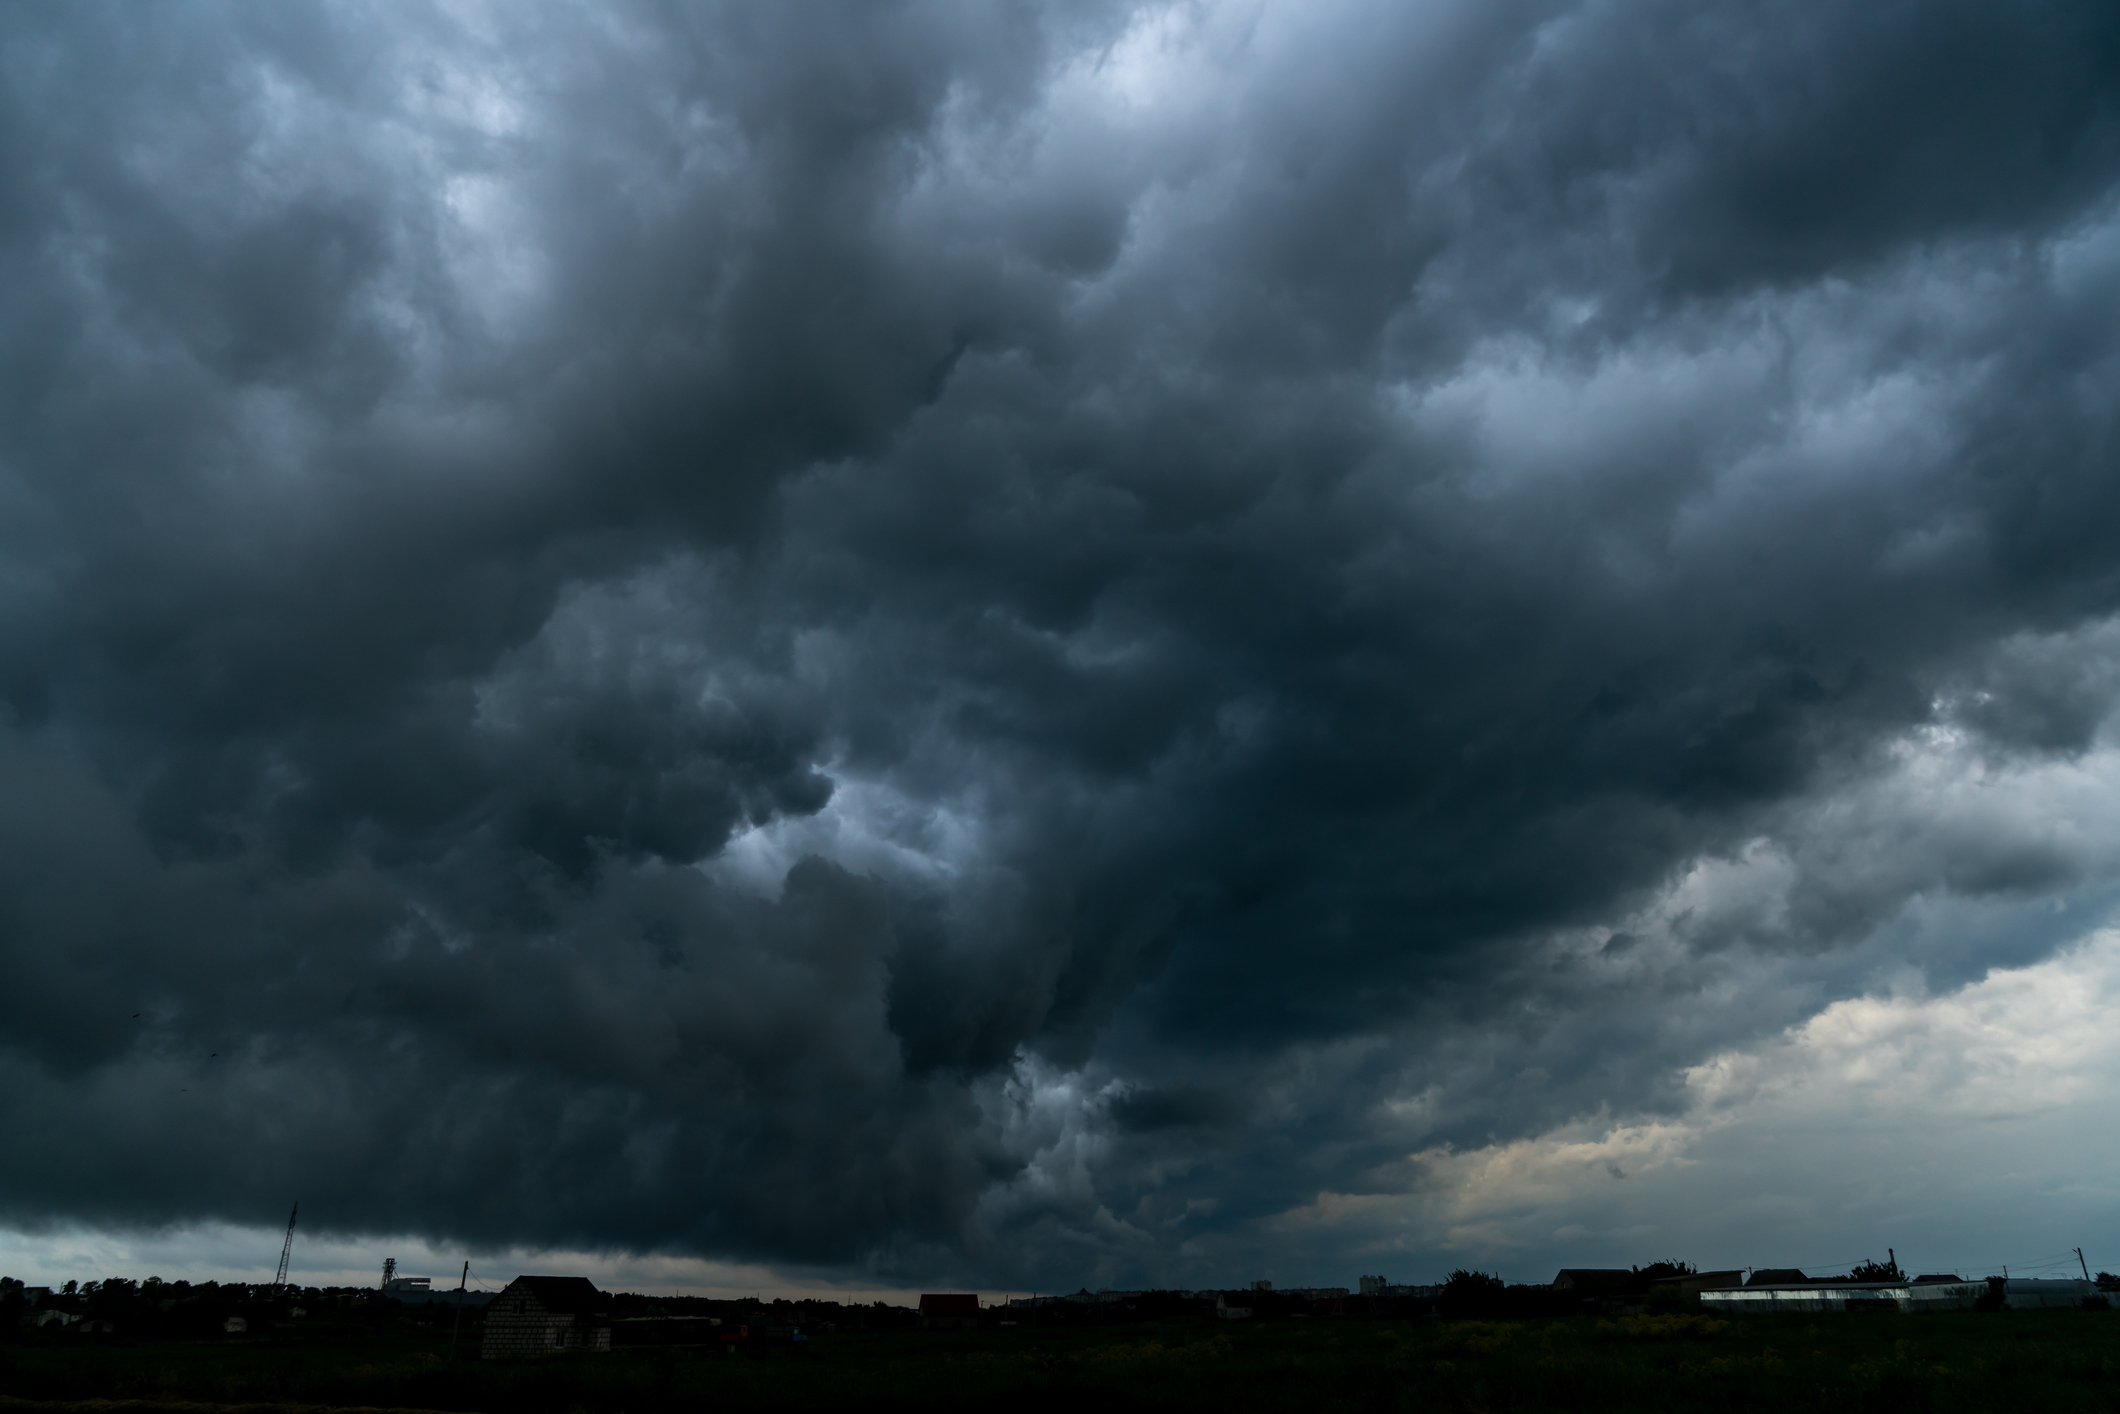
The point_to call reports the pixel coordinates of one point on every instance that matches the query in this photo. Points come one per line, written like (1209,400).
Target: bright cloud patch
(1879,1122)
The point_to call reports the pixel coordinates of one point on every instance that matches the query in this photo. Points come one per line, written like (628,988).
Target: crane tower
(286,1248)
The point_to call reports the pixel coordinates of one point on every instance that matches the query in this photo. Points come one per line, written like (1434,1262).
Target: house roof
(949,1304)
(576,1294)
(1775,1276)
(1593,1276)
(1703,1281)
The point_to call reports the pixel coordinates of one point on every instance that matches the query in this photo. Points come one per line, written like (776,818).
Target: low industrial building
(2031,1293)
(544,1316)
(1947,1294)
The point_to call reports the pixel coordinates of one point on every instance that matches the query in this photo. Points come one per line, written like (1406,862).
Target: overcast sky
(875,645)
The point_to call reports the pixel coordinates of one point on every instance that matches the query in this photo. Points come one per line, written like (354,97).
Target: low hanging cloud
(1018,647)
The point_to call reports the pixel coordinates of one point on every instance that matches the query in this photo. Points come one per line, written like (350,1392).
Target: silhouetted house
(1695,1283)
(1775,1276)
(1225,1311)
(942,1311)
(544,1316)
(1593,1281)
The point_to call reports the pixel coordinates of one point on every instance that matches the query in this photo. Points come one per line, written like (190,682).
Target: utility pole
(459,1309)
(2083,1264)
(286,1249)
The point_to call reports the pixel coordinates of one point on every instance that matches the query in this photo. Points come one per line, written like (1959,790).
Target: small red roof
(949,1304)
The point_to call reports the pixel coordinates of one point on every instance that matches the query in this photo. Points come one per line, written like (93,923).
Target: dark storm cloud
(866,635)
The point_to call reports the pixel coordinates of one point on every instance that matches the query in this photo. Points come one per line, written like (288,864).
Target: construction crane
(286,1248)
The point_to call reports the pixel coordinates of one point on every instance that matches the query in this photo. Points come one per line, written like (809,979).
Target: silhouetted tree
(1877,1271)
(1472,1294)
(1464,1281)
(1657,1271)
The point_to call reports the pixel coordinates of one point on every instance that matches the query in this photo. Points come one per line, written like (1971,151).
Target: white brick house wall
(523,1322)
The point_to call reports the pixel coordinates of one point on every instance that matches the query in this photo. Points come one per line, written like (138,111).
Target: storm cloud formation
(1007,641)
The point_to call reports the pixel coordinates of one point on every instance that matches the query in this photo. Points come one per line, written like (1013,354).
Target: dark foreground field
(2059,1360)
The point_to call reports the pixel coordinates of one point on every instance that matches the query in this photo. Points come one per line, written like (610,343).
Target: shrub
(1661,1328)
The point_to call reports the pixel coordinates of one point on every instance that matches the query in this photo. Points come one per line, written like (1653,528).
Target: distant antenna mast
(459,1308)
(389,1269)
(286,1248)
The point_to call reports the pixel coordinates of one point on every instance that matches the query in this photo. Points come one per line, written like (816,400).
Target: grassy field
(2059,1360)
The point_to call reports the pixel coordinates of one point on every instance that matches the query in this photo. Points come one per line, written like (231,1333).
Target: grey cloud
(1175,1107)
(1190,579)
